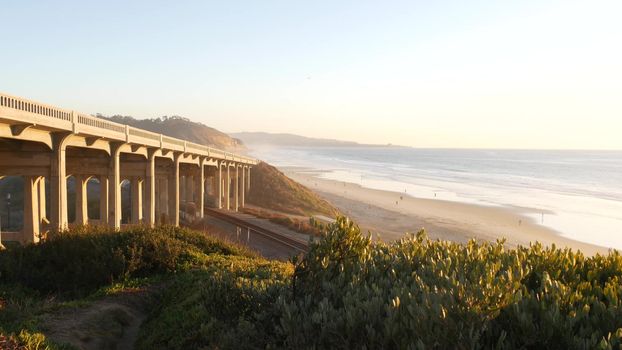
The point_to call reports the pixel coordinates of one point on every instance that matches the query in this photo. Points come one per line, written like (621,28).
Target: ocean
(576,193)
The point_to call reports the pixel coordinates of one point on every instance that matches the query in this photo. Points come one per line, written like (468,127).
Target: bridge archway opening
(71,198)
(126,201)
(12,203)
(163,207)
(210,197)
(94,192)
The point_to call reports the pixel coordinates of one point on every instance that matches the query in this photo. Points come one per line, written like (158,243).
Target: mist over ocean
(577,193)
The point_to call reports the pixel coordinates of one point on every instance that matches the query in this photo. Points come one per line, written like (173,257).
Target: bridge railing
(90,125)
(36,113)
(144,137)
(25,111)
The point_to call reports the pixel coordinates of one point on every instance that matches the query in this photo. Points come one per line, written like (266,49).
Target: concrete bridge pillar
(236,192)
(201,186)
(42,200)
(82,217)
(219,187)
(248,180)
(31,209)
(58,183)
(228,188)
(150,190)
(137,200)
(243,192)
(200,189)
(114,219)
(173,192)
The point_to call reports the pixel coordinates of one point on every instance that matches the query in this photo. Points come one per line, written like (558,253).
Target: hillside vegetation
(271,189)
(80,267)
(182,128)
(346,293)
(350,293)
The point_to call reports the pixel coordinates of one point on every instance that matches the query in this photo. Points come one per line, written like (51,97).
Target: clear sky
(500,74)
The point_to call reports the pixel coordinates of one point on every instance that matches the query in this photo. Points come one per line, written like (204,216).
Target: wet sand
(389,215)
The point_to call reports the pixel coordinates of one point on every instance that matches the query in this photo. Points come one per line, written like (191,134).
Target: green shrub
(79,261)
(350,293)
(227,304)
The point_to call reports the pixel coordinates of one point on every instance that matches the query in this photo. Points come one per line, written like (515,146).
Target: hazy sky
(503,74)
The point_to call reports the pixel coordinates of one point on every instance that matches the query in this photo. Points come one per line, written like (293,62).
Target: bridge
(47,146)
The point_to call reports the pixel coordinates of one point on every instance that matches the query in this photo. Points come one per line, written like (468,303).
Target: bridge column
(201,187)
(150,190)
(82,217)
(219,187)
(236,191)
(182,190)
(228,188)
(248,180)
(31,209)
(115,188)
(173,192)
(42,200)
(103,199)
(58,183)
(243,190)
(137,200)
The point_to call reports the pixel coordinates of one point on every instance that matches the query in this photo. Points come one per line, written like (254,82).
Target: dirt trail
(110,323)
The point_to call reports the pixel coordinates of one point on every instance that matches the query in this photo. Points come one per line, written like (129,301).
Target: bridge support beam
(137,200)
(82,216)
(243,192)
(31,209)
(219,189)
(150,190)
(201,186)
(115,188)
(42,201)
(228,189)
(236,192)
(248,180)
(58,176)
(173,192)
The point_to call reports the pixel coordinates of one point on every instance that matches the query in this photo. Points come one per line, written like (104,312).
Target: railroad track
(295,244)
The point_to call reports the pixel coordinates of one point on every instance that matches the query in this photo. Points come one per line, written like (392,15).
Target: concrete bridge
(47,145)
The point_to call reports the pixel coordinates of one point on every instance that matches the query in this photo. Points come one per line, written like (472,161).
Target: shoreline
(390,215)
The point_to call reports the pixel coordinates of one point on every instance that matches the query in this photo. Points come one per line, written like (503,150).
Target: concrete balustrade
(46,145)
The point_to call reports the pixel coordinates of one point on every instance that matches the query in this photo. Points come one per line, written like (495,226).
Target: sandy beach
(389,215)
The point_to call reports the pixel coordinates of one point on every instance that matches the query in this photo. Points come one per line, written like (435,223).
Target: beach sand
(389,215)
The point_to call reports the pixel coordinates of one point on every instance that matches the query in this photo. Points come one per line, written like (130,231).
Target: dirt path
(110,323)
